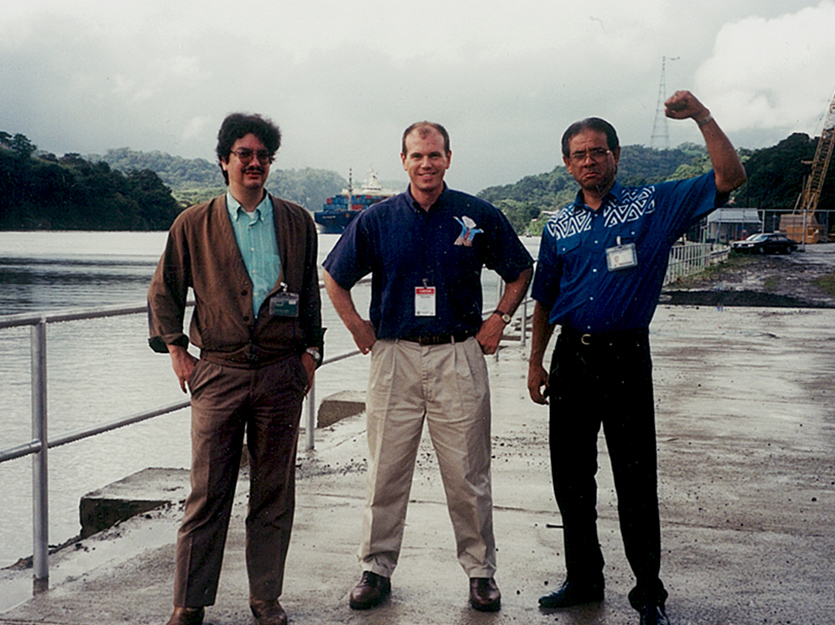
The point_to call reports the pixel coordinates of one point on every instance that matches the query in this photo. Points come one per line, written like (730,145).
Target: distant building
(731,224)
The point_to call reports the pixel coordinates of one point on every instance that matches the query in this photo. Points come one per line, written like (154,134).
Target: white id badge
(424,301)
(621,257)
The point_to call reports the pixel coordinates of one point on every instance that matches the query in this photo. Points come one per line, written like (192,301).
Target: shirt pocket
(567,245)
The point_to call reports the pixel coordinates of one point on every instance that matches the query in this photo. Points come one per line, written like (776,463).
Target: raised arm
(727,167)
(361,329)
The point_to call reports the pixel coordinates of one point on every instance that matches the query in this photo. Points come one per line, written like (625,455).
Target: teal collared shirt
(255,233)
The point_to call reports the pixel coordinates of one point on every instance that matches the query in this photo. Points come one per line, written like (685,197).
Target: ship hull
(333,222)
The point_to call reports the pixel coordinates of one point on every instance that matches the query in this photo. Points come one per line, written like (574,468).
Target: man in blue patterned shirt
(601,267)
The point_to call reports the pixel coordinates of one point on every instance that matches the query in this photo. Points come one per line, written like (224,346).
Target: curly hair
(238,125)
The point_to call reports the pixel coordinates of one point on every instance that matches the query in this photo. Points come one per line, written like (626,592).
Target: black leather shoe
(372,590)
(571,594)
(484,594)
(653,615)
(268,612)
(186,616)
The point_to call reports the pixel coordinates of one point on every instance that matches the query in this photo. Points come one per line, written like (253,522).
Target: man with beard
(601,267)
(250,259)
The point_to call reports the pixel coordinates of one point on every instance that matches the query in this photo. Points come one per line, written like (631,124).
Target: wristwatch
(314,353)
(504,316)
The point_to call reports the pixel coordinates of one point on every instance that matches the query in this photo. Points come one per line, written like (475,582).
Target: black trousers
(606,380)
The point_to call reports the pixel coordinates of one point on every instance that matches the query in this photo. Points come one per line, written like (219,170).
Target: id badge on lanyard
(425,299)
(284,304)
(621,256)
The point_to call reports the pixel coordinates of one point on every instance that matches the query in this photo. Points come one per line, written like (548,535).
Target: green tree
(21,146)
(73,193)
(519,214)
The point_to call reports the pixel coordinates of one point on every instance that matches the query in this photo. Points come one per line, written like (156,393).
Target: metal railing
(684,260)
(41,442)
(691,258)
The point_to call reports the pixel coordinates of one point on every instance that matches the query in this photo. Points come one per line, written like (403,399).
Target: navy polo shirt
(572,278)
(403,247)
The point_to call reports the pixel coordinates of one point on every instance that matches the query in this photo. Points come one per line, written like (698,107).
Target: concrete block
(138,493)
(340,406)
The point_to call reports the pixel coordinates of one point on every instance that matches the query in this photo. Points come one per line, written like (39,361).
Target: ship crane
(801,225)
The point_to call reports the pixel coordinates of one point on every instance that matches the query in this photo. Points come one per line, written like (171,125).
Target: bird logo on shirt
(468,231)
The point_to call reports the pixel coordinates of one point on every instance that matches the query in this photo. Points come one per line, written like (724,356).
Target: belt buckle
(585,339)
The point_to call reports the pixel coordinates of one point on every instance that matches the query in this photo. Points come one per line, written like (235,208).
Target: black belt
(616,337)
(439,339)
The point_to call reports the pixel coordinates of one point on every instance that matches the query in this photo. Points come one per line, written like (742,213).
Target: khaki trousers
(447,386)
(226,402)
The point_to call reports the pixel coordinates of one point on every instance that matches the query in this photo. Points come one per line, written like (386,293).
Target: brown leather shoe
(372,590)
(186,616)
(268,612)
(484,594)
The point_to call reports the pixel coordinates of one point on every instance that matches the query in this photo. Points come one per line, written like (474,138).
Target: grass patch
(715,272)
(826,283)
(771,283)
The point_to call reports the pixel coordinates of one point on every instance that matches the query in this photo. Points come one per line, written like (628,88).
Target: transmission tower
(660,138)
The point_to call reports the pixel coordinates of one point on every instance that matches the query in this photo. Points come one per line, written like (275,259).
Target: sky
(343,78)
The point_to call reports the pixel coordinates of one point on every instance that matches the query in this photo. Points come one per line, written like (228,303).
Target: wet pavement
(746,439)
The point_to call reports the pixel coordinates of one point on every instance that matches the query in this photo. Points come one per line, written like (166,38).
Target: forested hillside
(70,193)
(776,174)
(129,190)
(196,180)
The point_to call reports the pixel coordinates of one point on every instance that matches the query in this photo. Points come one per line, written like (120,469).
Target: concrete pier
(746,440)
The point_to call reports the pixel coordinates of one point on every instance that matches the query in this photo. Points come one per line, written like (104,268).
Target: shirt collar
(614,194)
(236,210)
(414,204)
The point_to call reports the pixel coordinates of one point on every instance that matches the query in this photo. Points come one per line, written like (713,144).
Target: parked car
(765,243)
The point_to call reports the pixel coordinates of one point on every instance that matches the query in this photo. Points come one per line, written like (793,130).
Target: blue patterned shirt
(255,233)
(572,278)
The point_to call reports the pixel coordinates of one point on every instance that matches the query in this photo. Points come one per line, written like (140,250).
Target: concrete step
(136,494)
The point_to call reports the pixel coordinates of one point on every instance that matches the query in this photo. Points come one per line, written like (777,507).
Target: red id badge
(424,301)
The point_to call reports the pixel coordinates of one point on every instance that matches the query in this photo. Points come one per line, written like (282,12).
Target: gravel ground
(798,280)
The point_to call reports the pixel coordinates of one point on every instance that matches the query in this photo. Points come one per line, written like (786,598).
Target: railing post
(311,417)
(499,295)
(40,491)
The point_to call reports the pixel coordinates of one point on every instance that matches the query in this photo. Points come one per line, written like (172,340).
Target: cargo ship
(339,210)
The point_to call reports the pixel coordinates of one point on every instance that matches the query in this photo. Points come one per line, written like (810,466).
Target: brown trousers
(265,403)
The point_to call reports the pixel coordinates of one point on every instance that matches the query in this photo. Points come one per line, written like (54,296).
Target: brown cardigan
(202,253)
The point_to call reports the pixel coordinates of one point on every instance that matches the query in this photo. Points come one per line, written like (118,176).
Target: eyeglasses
(596,154)
(245,155)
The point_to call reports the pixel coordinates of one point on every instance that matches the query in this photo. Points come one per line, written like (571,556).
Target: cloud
(344,78)
(773,74)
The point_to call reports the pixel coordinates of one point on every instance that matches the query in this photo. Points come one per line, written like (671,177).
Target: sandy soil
(753,280)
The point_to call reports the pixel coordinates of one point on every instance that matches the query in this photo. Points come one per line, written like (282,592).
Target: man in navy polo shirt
(601,267)
(425,249)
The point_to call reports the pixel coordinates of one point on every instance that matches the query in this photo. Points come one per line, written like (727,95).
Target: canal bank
(746,439)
